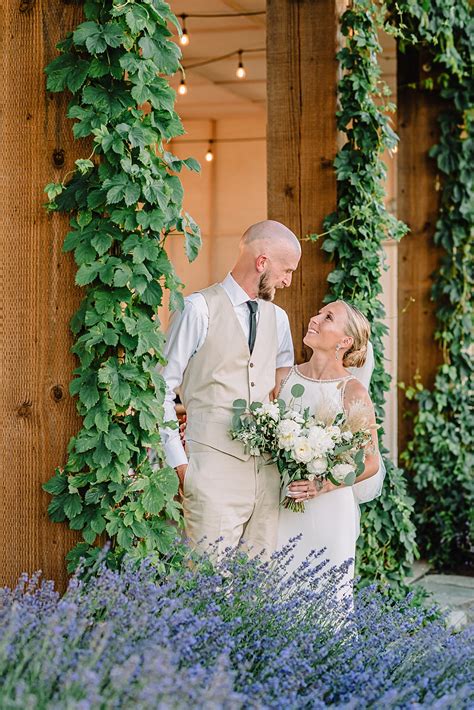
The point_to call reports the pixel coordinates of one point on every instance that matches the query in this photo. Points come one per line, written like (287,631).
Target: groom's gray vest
(223,370)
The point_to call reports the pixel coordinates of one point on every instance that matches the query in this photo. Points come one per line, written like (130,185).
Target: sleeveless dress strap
(285,380)
(343,388)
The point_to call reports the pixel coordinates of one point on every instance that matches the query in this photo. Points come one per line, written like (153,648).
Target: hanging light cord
(218,140)
(223,56)
(222,14)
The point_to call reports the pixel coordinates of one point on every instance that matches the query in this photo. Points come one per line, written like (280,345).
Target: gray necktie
(253,307)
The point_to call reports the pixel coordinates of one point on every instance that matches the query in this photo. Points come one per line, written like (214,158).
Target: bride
(339,338)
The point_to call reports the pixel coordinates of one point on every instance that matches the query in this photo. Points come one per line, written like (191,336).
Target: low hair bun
(358,328)
(355,358)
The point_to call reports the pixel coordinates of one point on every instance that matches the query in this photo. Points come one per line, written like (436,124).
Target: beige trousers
(231,499)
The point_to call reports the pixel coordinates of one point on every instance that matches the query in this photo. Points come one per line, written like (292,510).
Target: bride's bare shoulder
(354,390)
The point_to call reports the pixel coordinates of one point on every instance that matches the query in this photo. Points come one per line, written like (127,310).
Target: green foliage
(441,454)
(354,240)
(124,201)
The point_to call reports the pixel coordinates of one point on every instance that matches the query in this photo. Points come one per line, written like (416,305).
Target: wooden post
(418,258)
(38,293)
(302,41)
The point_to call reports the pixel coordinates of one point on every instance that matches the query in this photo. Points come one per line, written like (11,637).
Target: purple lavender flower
(237,634)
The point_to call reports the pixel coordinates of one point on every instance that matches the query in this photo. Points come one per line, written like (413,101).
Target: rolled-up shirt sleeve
(183,338)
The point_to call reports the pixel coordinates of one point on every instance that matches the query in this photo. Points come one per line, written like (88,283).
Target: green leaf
(89,394)
(132,194)
(125,538)
(153,499)
(350,479)
(136,18)
(102,242)
(72,505)
(297,390)
(57,484)
(87,273)
(120,391)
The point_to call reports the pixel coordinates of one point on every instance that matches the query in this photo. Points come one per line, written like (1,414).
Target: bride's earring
(338,347)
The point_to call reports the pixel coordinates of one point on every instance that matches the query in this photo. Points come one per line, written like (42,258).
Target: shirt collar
(235,292)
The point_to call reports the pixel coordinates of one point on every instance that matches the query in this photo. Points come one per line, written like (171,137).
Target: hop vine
(125,201)
(440,455)
(354,236)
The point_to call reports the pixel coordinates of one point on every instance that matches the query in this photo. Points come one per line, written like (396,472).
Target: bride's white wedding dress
(331,520)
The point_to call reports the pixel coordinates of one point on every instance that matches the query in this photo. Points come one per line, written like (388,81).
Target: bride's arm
(280,375)
(356,392)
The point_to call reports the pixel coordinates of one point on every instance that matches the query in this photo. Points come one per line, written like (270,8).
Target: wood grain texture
(38,292)
(302,41)
(418,258)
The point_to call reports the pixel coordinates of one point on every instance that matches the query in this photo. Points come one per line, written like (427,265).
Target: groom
(225,345)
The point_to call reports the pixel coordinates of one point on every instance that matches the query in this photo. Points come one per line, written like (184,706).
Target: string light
(182,89)
(184,39)
(209,157)
(241,73)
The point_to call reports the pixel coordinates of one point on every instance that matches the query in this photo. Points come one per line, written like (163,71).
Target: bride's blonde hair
(358,328)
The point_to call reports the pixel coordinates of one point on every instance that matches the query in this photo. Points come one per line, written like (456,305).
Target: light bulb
(183,89)
(209,155)
(241,73)
(184,39)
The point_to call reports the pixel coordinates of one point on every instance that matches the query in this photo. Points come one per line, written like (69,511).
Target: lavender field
(239,635)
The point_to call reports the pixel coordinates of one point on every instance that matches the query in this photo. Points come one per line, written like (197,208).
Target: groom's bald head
(269,254)
(269,236)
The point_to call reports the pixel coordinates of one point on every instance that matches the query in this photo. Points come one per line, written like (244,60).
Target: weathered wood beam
(418,258)
(302,41)
(38,292)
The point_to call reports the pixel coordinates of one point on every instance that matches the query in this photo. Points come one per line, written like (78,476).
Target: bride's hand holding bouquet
(325,447)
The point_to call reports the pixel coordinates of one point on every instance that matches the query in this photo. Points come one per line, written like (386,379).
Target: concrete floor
(454,593)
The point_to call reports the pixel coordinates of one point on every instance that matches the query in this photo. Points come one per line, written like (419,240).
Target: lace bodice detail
(317,393)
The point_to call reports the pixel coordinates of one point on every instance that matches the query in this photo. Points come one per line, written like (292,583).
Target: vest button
(252,384)
(251,364)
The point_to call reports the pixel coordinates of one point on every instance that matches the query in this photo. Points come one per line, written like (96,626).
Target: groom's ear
(260,263)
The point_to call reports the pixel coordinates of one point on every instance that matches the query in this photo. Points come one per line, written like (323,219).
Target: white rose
(320,440)
(347,435)
(341,470)
(318,465)
(302,450)
(333,431)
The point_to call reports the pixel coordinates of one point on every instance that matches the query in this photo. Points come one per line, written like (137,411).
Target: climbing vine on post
(354,236)
(441,453)
(125,201)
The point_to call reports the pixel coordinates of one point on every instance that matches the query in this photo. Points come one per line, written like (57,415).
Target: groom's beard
(265,291)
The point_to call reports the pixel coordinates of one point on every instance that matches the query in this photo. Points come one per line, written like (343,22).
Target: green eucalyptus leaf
(297,390)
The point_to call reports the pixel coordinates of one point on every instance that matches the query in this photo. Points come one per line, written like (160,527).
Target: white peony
(270,409)
(333,431)
(302,450)
(320,440)
(287,431)
(318,465)
(341,470)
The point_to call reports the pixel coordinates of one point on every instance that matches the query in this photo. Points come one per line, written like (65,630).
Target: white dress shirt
(186,335)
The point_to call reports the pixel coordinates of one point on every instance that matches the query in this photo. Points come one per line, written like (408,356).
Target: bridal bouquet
(320,446)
